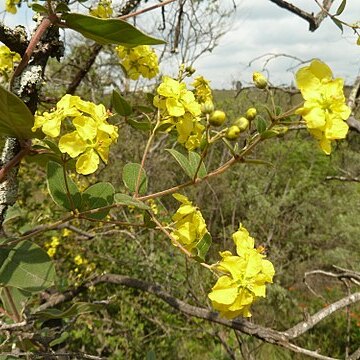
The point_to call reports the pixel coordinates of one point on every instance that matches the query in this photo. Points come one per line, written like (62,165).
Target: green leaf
(190,164)
(260,124)
(150,355)
(143,109)
(341,8)
(65,335)
(202,247)
(26,266)
(39,8)
(130,176)
(148,221)
(16,120)
(121,106)
(139,125)
(337,23)
(182,160)
(56,184)
(108,31)
(18,299)
(62,7)
(97,196)
(75,310)
(194,160)
(130,201)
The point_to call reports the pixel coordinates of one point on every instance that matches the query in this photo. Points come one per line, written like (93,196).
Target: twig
(136,13)
(280,338)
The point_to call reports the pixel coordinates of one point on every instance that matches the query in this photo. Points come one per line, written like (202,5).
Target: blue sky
(260,27)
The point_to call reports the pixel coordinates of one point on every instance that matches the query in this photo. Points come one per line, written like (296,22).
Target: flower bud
(259,80)
(233,133)
(242,123)
(251,113)
(217,118)
(207,107)
(190,70)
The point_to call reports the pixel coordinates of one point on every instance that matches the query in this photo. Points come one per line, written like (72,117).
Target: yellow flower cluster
(10,6)
(324,110)
(190,226)
(139,60)
(103,10)
(202,91)
(7,59)
(52,246)
(92,137)
(179,108)
(244,277)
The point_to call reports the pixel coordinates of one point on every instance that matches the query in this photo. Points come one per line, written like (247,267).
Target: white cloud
(261,27)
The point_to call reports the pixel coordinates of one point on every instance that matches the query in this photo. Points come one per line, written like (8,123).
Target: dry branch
(313,20)
(279,338)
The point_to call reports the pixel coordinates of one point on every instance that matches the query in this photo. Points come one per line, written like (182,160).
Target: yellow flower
(10,6)
(244,277)
(139,60)
(324,109)
(55,241)
(103,10)
(51,252)
(7,59)
(78,260)
(190,226)
(202,90)
(179,108)
(92,137)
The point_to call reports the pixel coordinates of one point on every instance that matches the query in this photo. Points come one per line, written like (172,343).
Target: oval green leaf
(121,106)
(62,188)
(26,266)
(108,31)
(132,180)
(16,120)
(97,196)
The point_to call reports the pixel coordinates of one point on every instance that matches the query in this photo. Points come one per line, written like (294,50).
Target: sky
(260,27)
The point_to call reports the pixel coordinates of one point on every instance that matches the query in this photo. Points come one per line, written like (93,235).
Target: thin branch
(162,4)
(14,39)
(313,20)
(304,326)
(280,338)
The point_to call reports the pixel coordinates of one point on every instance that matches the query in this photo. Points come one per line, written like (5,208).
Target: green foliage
(15,118)
(134,178)
(26,266)
(97,196)
(192,165)
(62,188)
(108,31)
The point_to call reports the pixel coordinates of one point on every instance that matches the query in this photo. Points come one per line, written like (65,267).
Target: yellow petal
(87,163)
(72,144)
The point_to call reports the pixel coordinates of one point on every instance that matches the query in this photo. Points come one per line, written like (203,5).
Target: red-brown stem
(45,23)
(13,162)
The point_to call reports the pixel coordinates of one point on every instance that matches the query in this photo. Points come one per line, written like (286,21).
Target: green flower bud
(190,70)
(207,107)
(217,118)
(259,80)
(251,113)
(233,133)
(242,123)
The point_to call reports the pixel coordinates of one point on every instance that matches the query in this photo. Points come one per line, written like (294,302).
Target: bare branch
(304,326)
(313,20)
(15,40)
(280,338)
